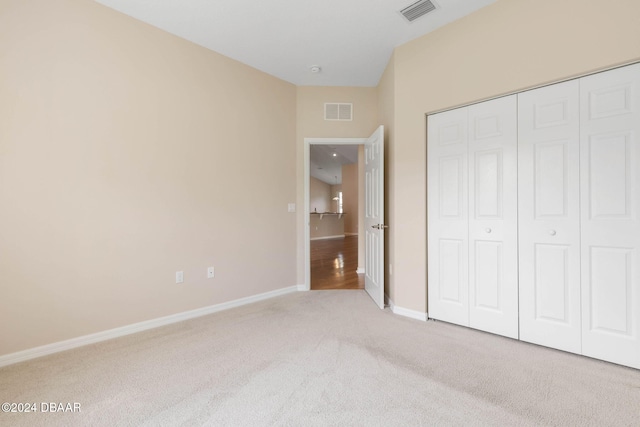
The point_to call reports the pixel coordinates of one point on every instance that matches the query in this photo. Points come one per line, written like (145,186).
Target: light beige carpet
(316,359)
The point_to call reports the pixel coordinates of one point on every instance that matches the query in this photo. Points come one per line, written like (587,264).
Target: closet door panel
(447,217)
(610,192)
(549,216)
(493,263)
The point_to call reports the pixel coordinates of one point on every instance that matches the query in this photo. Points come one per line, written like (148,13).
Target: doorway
(336,184)
(371,230)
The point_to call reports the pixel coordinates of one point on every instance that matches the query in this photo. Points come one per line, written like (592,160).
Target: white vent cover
(335,111)
(418,9)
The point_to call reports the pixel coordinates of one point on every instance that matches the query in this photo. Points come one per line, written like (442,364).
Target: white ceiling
(352,40)
(326,167)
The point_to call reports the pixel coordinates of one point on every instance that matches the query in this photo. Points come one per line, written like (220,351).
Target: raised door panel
(451,188)
(451,269)
(447,217)
(488,275)
(549,216)
(610,176)
(489,182)
(493,271)
(551,285)
(550,178)
(611,291)
(610,192)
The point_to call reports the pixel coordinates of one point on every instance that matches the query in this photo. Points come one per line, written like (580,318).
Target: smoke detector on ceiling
(315,69)
(418,9)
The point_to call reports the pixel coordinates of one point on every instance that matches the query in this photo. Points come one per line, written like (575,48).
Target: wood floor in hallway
(334,263)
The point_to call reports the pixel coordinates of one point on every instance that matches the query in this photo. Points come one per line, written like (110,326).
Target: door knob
(552,232)
(488,230)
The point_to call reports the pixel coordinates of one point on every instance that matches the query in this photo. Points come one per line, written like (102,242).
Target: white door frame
(307,174)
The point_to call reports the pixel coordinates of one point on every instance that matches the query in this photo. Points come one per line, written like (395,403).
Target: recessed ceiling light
(315,69)
(334,154)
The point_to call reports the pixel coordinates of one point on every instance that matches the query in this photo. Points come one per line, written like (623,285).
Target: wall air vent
(335,111)
(418,9)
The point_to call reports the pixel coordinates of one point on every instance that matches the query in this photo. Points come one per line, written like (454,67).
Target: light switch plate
(291,207)
(211,273)
(179,276)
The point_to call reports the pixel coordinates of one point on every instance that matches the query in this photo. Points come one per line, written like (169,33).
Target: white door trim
(307,145)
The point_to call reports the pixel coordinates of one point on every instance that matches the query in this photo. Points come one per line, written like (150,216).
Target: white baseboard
(302,288)
(388,301)
(32,353)
(338,236)
(400,311)
(417,315)
(350,234)
(360,270)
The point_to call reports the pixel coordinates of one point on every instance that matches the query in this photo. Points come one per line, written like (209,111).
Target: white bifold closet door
(610,197)
(534,216)
(549,216)
(447,213)
(493,216)
(472,216)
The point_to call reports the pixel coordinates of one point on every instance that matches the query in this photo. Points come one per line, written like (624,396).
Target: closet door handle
(552,232)
(488,230)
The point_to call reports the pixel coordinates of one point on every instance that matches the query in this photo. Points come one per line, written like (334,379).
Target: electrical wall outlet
(211,273)
(179,276)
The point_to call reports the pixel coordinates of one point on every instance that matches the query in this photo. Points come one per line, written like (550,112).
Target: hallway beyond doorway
(334,263)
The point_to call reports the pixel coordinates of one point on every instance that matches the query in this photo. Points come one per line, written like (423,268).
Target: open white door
(374,216)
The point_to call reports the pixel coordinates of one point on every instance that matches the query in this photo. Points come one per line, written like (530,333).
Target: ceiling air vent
(335,111)
(418,9)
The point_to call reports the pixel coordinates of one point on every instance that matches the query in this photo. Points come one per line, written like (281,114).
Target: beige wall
(320,200)
(125,156)
(506,47)
(311,124)
(350,197)
(319,196)
(327,226)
